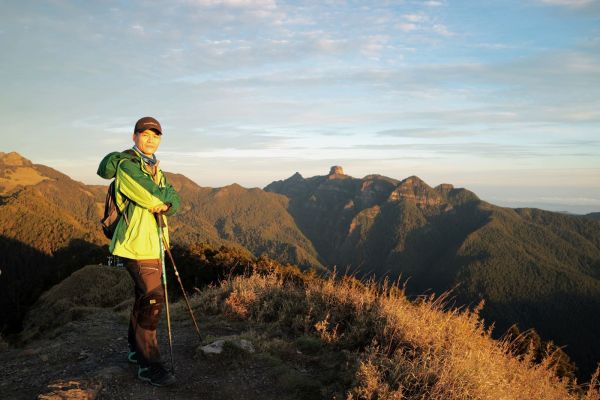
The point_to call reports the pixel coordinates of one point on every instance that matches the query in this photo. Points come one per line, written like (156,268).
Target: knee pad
(149,310)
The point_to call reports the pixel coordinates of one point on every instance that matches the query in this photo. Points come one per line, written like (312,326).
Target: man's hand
(159,209)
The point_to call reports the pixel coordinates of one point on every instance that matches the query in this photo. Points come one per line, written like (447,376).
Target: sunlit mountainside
(531,267)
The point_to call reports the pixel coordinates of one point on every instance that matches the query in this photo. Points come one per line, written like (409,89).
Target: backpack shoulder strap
(134,156)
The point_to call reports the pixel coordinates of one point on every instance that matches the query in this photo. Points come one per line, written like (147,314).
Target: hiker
(142,195)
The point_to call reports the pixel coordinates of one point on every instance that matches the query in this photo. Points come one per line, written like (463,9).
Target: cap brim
(149,129)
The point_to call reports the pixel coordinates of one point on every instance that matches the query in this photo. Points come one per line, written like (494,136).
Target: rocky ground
(86,359)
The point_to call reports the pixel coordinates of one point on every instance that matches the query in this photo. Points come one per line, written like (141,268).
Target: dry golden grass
(20,176)
(404,349)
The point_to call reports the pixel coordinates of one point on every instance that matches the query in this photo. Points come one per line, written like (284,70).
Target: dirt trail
(91,353)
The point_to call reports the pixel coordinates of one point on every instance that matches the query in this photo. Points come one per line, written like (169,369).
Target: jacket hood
(108,166)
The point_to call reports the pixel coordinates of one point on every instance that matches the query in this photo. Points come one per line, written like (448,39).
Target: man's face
(147,141)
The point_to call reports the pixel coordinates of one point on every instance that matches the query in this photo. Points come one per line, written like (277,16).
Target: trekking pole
(164,280)
(166,247)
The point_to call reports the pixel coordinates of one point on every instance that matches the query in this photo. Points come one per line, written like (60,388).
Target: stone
(336,170)
(246,345)
(215,347)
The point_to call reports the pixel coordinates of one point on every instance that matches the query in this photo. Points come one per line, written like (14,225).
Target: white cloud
(120,129)
(330,45)
(580,115)
(374,45)
(494,94)
(494,46)
(407,27)
(583,201)
(414,17)
(569,3)
(297,21)
(301,69)
(442,30)
(138,29)
(417,21)
(236,3)
(425,133)
(233,15)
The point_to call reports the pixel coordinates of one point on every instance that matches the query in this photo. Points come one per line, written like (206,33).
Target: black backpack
(112,214)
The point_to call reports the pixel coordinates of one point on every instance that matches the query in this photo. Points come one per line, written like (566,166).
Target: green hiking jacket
(138,240)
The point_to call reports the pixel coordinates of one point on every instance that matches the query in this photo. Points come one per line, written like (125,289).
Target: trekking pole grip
(159,220)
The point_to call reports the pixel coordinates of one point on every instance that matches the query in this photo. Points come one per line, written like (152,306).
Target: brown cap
(147,123)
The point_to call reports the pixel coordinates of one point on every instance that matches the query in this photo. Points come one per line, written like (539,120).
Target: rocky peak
(415,189)
(455,196)
(296,177)
(14,159)
(413,181)
(336,170)
(293,184)
(444,188)
(374,189)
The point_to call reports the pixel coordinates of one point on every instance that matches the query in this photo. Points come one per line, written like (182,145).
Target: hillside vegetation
(392,348)
(49,227)
(536,268)
(335,337)
(255,219)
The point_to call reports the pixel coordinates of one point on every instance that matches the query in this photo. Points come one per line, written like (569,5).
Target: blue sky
(500,97)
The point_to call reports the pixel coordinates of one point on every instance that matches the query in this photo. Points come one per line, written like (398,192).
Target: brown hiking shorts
(149,300)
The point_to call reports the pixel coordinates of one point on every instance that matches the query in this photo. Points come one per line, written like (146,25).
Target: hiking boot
(156,374)
(132,357)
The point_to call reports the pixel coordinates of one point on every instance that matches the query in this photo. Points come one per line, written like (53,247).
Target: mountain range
(532,267)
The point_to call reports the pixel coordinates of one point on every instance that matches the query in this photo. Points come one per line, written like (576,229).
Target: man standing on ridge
(142,194)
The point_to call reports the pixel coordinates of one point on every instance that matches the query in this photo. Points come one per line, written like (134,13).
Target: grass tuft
(393,348)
